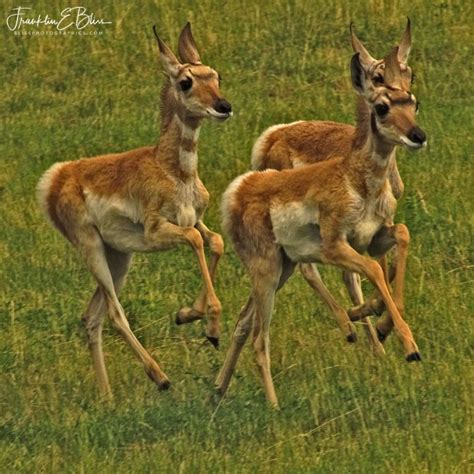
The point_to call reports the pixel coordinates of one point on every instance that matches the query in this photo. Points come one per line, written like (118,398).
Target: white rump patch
(44,185)
(228,200)
(259,146)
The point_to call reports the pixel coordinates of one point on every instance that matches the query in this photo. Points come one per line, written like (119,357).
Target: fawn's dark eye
(186,84)
(378,79)
(382,109)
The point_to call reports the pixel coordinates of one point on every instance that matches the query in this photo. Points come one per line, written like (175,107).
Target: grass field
(342,410)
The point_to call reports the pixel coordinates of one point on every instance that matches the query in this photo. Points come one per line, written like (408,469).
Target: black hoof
(414,356)
(162,386)
(378,311)
(178,320)
(380,335)
(352,337)
(214,341)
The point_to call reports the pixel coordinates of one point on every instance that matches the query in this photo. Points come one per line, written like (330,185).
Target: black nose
(223,107)
(417,135)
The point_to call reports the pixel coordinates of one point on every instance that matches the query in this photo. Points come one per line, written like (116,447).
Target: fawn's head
(196,87)
(392,106)
(375,68)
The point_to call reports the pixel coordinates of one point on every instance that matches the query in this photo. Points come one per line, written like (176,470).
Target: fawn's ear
(365,59)
(168,59)
(393,77)
(358,75)
(405,44)
(187,48)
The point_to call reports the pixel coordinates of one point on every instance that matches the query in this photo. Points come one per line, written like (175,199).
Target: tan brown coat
(327,212)
(147,199)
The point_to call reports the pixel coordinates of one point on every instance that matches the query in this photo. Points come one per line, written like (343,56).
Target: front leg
(163,234)
(338,252)
(199,307)
(311,274)
(389,236)
(353,285)
(401,236)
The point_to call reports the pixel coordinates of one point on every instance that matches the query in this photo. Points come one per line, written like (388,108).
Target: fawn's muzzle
(222,106)
(417,135)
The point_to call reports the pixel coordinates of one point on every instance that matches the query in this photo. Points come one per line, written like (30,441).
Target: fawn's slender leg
(161,234)
(241,332)
(402,237)
(339,252)
(313,277)
(118,264)
(239,338)
(398,235)
(354,287)
(93,318)
(264,285)
(199,307)
(93,251)
(215,308)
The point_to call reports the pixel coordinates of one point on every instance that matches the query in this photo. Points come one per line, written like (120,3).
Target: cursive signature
(77,17)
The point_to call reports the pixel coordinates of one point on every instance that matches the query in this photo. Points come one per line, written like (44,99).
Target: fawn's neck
(177,147)
(372,155)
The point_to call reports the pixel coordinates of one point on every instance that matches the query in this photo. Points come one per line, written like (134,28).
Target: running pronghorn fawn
(143,200)
(306,142)
(327,212)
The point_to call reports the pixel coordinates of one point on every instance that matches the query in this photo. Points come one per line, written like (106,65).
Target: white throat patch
(188,159)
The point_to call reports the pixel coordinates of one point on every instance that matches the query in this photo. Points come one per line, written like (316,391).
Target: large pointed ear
(405,44)
(364,57)
(393,75)
(358,75)
(187,48)
(168,59)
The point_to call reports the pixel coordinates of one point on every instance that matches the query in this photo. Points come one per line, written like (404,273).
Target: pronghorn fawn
(306,142)
(327,212)
(143,200)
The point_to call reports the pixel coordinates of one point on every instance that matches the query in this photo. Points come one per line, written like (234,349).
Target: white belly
(296,229)
(119,222)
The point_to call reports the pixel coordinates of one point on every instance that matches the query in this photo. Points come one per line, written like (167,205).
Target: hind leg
(264,283)
(242,330)
(93,317)
(313,277)
(94,254)
(239,337)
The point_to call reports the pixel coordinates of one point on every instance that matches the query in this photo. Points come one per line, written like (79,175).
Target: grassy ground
(342,410)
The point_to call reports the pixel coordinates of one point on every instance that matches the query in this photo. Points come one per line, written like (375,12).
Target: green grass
(341,409)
